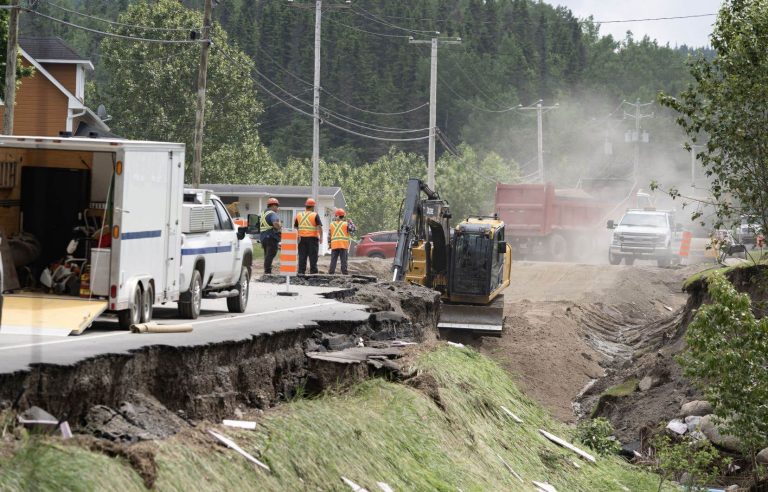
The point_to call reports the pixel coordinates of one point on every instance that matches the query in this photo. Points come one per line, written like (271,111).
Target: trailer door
(173,224)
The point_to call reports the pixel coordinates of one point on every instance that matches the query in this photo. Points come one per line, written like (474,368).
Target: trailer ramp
(48,315)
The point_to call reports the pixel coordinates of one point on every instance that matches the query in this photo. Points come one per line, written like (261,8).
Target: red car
(378,245)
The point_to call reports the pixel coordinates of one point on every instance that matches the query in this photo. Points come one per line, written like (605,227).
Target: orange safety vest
(307,224)
(340,234)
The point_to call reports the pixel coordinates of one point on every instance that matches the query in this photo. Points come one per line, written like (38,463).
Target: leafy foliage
(152,87)
(598,435)
(724,109)
(697,462)
(727,358)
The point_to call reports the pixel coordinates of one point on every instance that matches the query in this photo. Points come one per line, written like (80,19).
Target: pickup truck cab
(645,234)
(216,255)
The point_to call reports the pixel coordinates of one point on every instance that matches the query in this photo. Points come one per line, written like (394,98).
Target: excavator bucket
(480,319)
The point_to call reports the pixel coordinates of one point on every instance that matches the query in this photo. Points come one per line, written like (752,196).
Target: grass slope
(446,433)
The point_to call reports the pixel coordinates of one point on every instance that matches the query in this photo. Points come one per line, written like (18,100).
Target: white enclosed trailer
(132,192)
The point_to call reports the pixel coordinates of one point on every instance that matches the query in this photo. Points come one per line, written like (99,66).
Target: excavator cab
(469,265)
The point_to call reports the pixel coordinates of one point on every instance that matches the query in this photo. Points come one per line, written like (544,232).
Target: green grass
(622,389)
(377,431)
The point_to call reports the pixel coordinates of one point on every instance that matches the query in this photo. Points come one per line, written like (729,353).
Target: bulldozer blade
(485,319)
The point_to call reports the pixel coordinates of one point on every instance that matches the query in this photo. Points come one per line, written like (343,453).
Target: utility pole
(316,89)
(10,67)
(202,77)
(435,43)
(540,110)
(636,137)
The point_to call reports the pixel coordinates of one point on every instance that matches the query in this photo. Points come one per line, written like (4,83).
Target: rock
(338,342)
(697,408)
(693,422)
(646,383)
(762,457)
(239,413)
(37,419)
(677,426)
(716,437)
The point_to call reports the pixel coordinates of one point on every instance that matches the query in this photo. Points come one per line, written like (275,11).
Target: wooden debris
(232,445)
(353,485)
(509,467)
(512,415)
(568,445)
(384,487)
(240,424)
(457,345)
(544,486)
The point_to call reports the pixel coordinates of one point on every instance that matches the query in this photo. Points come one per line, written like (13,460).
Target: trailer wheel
(558,247)
(131,316)
(148,300)
(238,303)
(189,304)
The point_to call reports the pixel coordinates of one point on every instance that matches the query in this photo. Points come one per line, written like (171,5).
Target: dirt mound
(567,325)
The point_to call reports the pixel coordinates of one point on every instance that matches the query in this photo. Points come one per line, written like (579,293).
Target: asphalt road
(267,312)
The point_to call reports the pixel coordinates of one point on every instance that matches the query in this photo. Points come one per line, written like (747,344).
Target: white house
(252,199)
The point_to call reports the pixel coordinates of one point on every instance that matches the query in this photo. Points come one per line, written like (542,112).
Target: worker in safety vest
(269,232)
(310,230)
(341,229)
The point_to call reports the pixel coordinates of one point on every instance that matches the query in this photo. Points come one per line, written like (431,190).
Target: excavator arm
(423,220)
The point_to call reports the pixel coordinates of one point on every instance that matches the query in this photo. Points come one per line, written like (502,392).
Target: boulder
(38,420)
(647,383)
(762,457)
(693,422)
(716,436)
(697,408)
(677,426)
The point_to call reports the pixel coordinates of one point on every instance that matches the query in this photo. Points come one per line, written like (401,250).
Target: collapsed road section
(253,360)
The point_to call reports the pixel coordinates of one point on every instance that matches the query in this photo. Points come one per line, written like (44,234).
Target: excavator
(469,265)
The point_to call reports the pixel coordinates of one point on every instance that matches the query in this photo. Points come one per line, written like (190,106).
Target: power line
(475,106)
(121,24)
(654,19)
(333,96)
(368,15)
(384,35)
(115,35)
(329,123)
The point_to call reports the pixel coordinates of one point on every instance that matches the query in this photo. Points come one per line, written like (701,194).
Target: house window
(8,175)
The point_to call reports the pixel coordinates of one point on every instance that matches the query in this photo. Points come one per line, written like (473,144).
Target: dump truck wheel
(189,304)
(558,247)
(131,316)
(238,303)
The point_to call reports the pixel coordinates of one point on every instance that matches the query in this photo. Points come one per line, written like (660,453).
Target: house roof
(51,50)
(265,190)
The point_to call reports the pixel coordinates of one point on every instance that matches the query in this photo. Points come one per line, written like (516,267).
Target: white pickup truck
(149,242)
(645,234)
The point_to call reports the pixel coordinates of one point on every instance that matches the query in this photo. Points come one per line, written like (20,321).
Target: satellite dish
(101,112)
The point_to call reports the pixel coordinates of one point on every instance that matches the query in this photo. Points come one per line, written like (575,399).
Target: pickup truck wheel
(131,316)
(238,303)
(148,300)
(189,304)
(614,260)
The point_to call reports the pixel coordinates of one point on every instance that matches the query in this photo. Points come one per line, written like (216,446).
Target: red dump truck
(563,224)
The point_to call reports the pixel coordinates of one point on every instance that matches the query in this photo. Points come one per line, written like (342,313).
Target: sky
(693,32)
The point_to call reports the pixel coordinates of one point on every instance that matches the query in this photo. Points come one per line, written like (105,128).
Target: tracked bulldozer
(469,264)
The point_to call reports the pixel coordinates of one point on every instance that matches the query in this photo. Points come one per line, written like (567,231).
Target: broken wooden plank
(240,424)
(568,445)
(509,467)
(353,485)
(512,415)
(544,486)
(456,345)
(384,487)
(66,431)
(232,445)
